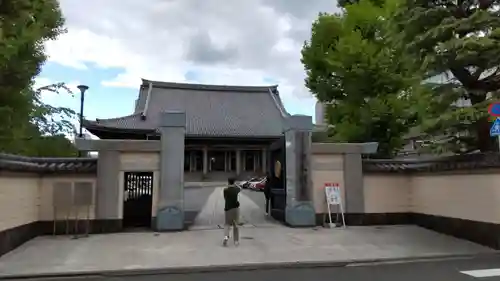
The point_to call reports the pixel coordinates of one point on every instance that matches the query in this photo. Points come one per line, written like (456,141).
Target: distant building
(320,113)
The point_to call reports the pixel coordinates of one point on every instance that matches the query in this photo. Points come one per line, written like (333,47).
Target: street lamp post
(83,89)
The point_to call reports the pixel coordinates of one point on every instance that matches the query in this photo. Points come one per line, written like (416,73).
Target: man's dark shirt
(267,186)
(231,197)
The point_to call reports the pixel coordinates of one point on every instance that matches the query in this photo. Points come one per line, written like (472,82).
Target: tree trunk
(485,143)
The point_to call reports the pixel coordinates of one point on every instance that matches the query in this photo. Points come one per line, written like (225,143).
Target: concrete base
(301,214)
(170,218)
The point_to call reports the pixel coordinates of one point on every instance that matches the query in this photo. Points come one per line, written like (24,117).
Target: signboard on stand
(333,198)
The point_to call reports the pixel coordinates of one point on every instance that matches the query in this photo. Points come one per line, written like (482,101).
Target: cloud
(222,42)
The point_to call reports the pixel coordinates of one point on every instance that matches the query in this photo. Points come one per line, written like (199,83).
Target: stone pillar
(108,186)
(205,160)
(263,160)
(299,209)
(244,163)
(353,183)
(238,162)
(226,166)
(255,161)
(191,161)
(170,215)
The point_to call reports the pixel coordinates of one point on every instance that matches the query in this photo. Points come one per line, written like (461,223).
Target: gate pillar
(170,214)
(299,209)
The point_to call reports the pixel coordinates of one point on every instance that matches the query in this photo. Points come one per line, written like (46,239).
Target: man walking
(232,211)
(267,192)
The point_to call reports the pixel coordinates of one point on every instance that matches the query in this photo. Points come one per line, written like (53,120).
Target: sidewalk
(202,248)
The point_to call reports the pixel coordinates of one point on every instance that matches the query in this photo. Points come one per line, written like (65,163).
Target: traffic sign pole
(495,131)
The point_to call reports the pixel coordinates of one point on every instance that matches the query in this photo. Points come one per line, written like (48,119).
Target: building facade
(229,129)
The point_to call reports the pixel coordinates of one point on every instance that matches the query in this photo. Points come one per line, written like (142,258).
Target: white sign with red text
(332,192)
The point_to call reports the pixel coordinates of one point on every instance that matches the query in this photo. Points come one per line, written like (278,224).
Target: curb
(244,267)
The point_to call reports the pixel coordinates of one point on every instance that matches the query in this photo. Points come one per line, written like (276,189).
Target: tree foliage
(28,125)
(370,84)
(52,120)
(459,40)
(44,134)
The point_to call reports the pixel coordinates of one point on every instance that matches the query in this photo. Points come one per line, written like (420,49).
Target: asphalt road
(444,270)
(447,270)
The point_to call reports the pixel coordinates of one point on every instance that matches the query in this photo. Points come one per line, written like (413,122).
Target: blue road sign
(495,128)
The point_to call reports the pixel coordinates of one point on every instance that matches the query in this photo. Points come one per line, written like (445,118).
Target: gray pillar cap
(172,119)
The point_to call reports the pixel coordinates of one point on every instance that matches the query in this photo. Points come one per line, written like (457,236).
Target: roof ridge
(278,103)
(116,118)
(207,87)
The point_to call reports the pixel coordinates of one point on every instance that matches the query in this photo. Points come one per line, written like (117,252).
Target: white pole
(329,214)
(342,213)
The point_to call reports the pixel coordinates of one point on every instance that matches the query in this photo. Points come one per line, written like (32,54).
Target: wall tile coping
(438,164)
(17,163)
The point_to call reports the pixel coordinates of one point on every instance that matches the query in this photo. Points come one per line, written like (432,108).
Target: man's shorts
(232,216)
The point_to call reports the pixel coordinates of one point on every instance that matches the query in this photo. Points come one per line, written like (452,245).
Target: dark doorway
(217,161)
(278,181)
(138,199)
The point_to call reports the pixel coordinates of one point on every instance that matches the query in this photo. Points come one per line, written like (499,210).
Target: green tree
(459,40)
(352,63)
(28,125)
(344,3)
(44,134)
(52,120)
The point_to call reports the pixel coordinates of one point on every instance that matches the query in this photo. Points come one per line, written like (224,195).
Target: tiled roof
(211,110)
(9,162)
(456,162)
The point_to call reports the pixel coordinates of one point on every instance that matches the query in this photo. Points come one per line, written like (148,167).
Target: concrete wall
(462,196)
(387,193)
(469,195)
(326,168)
(454,201)
(27,198)
(46,211)
(19,200)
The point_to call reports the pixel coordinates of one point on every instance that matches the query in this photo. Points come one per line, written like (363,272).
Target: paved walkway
(273,244)
(211,215)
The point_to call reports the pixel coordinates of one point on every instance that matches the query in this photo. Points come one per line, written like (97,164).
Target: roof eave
(207,87)
(98,128)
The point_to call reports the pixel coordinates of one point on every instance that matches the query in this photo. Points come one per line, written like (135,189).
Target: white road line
(482,272)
